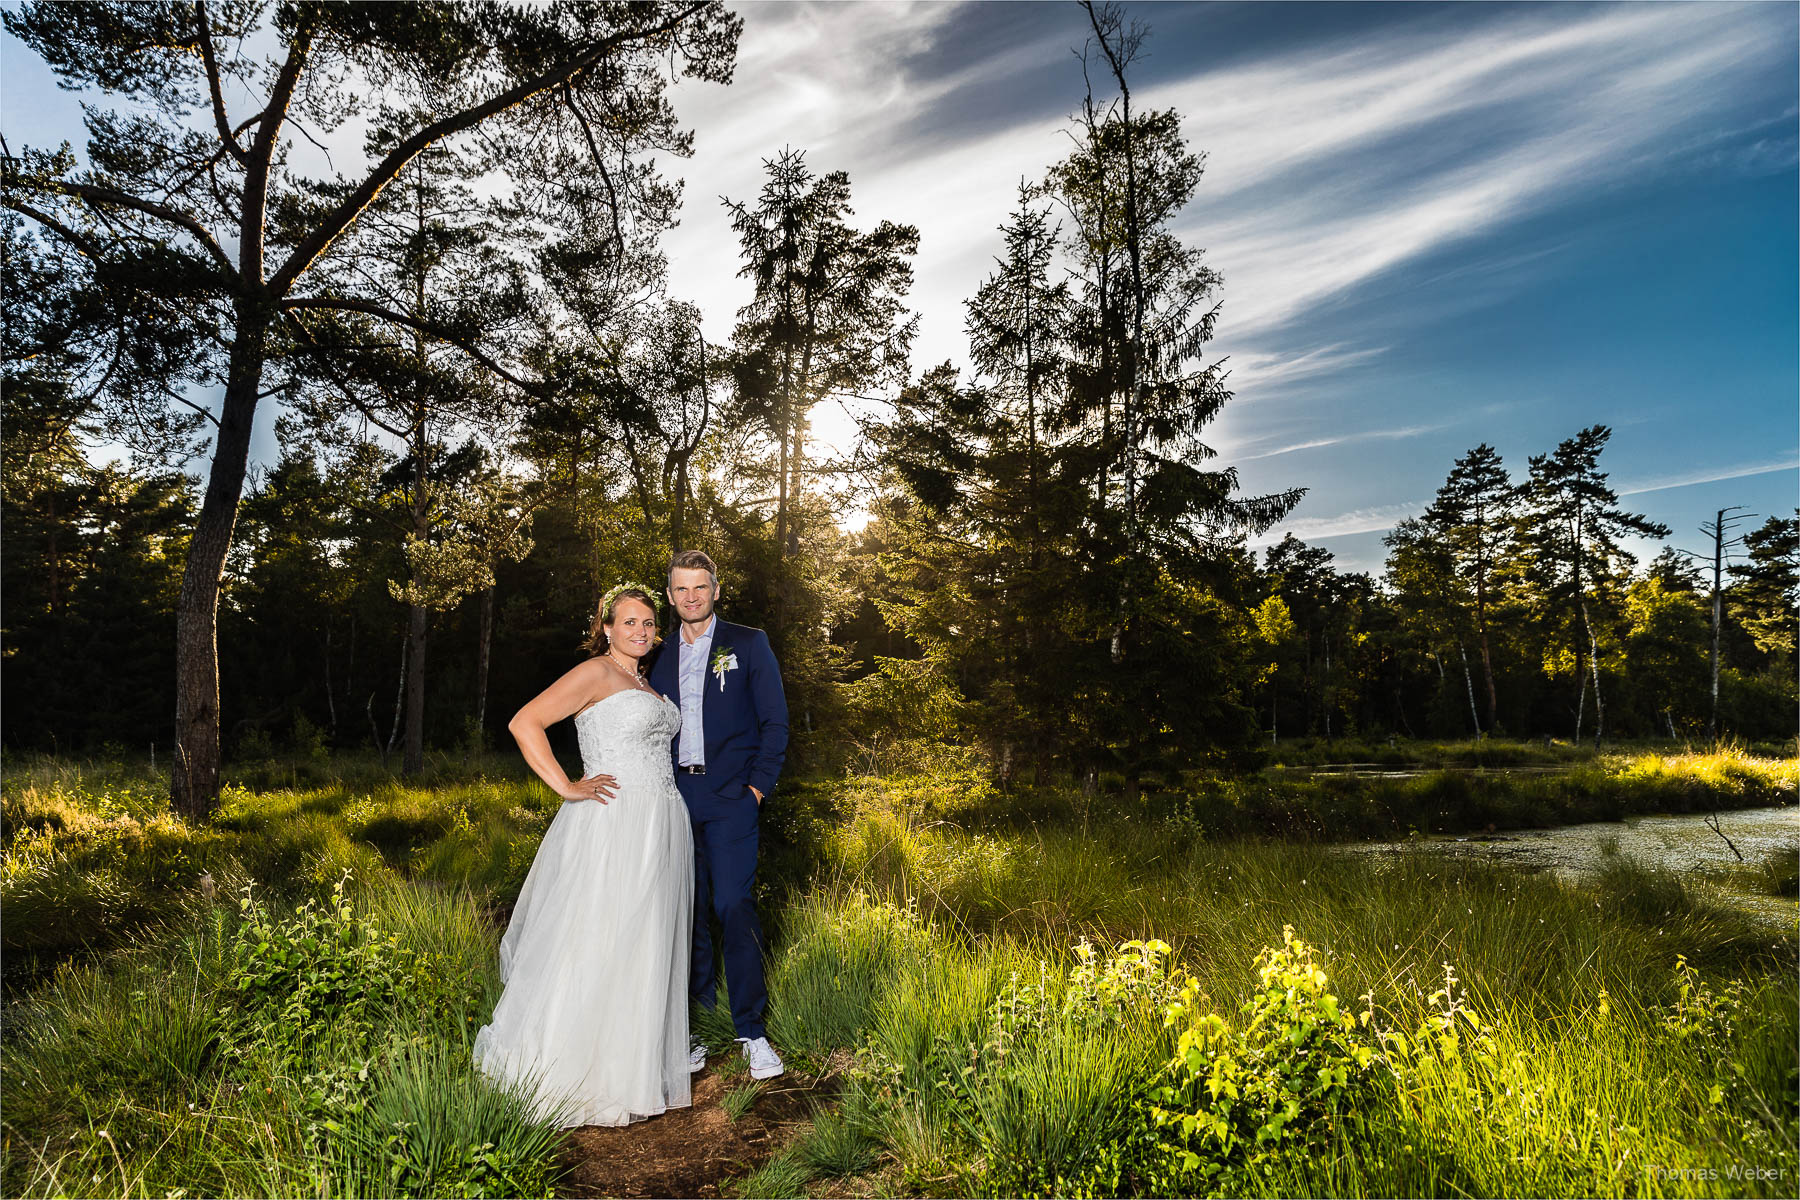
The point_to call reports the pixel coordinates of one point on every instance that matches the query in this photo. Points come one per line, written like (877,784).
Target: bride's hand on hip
(594,787)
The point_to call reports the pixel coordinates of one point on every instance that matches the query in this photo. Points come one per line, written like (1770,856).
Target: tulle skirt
(595,1012)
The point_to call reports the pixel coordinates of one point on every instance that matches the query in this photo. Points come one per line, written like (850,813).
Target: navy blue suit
(744,718)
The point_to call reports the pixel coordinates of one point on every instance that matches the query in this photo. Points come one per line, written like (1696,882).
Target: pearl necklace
(637,680)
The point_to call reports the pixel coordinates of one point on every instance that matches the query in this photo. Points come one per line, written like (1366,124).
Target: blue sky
(1437,225)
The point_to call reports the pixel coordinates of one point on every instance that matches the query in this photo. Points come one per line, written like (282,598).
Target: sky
(1437,225)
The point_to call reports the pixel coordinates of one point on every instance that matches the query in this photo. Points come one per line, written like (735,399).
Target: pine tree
(827,318)
(1473,514)
(1569,529)
(1765,592)
(176,179)
(1143,311)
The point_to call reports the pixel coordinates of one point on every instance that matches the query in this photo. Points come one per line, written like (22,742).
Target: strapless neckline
(655,695)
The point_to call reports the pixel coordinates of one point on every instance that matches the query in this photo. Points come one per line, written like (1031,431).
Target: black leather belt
(685,769)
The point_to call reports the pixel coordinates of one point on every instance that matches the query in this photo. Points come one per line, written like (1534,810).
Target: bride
(595,961)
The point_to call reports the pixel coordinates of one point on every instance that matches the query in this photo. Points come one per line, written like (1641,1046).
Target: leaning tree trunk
(194,781)
(1581,701)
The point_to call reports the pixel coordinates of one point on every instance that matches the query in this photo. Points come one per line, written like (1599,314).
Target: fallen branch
(1712,823)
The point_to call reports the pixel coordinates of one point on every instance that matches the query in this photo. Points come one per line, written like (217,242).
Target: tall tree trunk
(1594,666)
(330,698)
(418,618)
(1469,684)
(350,664)
(1580,701)
(639,484)
(1117,57)
(1325,685)
(399,701)
(802,386)
(418,625)
(783,422)
(1712,717)
(1487,656)
(194,781)
(55,580)
(679,513)
(481,659)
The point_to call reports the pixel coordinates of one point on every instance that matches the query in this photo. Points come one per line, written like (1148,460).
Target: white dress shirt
(691,666)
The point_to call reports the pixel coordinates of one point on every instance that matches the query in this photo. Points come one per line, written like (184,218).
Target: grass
(925,937)
(925,930)
(93,855)
(838,1142)
(782,1177)
(1484,752)
(157,1070)
(1337,807)
(739,1100)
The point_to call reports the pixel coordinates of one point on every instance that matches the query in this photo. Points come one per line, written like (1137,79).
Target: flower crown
(606,601)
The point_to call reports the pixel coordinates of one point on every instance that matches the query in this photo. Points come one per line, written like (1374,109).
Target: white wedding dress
(595,961)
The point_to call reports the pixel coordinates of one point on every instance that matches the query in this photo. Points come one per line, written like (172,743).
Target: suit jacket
(743,714)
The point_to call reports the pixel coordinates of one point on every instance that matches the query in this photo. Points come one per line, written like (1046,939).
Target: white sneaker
(697,1058)
(764,1062)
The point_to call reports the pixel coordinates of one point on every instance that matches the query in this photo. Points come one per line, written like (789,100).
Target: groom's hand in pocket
(755,793)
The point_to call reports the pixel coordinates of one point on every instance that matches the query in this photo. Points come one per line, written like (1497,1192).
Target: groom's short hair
(693,560)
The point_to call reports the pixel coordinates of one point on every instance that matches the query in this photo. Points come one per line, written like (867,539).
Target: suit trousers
(725,841)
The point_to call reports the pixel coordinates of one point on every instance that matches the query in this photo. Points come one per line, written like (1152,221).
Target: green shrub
(1242,1098)
(324,972)
(738,1101)
(781,1178)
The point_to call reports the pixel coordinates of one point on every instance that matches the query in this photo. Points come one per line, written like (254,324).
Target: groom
(728,755)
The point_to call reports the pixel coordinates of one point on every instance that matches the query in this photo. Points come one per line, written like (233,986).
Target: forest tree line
(491,408)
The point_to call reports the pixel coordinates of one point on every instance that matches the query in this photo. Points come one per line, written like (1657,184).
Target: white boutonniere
(723,659)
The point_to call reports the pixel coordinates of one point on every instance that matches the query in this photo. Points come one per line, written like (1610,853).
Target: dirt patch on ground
(692,1151)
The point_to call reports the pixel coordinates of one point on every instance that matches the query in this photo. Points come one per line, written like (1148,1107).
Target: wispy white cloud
(1264,368)
(1328,170)
(1251,454)
(1709,475)
(1375,519)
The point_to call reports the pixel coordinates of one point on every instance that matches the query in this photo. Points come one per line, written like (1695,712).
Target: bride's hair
(595,643)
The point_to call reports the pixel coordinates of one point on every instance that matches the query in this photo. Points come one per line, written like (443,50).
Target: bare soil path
(692,1151)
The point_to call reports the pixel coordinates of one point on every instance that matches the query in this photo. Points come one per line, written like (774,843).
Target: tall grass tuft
(841,955)
(434,1127)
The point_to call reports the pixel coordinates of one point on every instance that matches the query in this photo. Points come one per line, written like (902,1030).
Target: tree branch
(308,251)
(176,396)
(86,245)
(429,328)
(95,194)
(214,83)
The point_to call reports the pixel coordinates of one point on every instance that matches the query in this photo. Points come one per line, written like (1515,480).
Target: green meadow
(1047,992)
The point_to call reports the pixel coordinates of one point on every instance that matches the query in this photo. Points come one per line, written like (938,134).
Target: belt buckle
(691,769)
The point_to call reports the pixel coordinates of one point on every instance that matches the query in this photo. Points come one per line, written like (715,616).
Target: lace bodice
(627,732)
